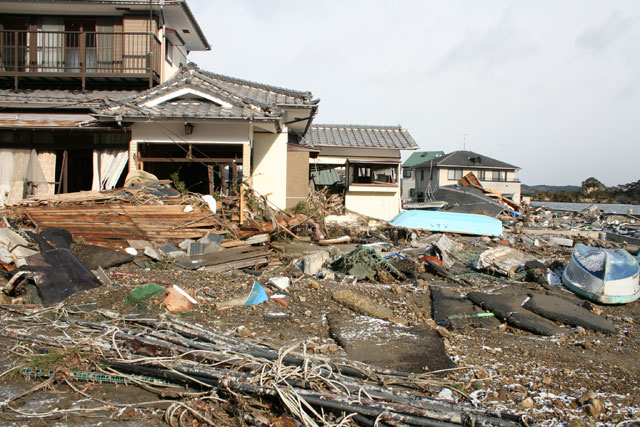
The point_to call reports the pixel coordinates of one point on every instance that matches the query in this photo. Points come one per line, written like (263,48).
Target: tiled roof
(359,136)
(190,108)
(467,159)
(224,97)
(421,157)
(259,92)
(61,98)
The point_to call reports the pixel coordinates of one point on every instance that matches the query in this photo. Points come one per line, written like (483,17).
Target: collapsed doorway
(198,168)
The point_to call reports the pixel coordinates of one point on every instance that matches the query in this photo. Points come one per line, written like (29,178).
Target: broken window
(373,174)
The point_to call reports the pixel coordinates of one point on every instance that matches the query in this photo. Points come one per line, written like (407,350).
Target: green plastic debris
(364,262)
(143,292)
(129,379)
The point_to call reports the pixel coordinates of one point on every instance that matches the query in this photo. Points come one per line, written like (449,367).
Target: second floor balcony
(71,56)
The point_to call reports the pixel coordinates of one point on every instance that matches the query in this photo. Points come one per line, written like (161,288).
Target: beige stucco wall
(381,202)
(205,133)
(297,177)
(270,166)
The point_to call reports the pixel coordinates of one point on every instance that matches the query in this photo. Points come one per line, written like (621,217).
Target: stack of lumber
(114,224)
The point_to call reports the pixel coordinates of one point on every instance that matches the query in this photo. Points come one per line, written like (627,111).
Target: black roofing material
(508,307)
(468,160)
(414,349)
(561,310)
(467,200)
(58,275)
(446,303)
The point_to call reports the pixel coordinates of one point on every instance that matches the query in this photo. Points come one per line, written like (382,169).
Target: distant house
(448,169)
(369,159)
(408,183)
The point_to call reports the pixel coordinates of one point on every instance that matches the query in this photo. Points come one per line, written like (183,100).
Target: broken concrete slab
(561,310)
(195,248)
(368,340)
(138,244)
(168,248)
(184,245)
(561,241)
(507,306)
(502,260)
(58,275)
(152,253)
(211,238)
(93,257)
(312,263)
(212,247)
(361,304)
(446,303)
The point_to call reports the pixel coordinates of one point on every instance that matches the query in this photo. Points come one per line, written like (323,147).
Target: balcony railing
(81,55)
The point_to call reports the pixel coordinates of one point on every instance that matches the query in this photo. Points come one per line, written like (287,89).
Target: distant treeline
(591,191)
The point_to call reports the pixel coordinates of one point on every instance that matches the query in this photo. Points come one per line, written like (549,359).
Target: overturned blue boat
(606,276)
(450,222)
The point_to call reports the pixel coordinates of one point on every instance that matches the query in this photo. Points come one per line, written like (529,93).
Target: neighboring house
(408,183)
(93,89)
(61,58)
(448,169)
(370,159)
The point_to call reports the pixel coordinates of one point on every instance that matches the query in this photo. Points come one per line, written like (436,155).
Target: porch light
(188,128)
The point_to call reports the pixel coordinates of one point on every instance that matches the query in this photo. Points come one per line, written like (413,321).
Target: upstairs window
(168,50)
(499,175)
(406,173)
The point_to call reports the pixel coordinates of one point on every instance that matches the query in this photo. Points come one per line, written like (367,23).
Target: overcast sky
(550,86)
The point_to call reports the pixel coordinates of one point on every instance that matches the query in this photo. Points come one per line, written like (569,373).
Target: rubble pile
(269,321)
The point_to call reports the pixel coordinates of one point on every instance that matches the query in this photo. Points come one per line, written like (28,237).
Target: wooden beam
(187,160)
(210,176)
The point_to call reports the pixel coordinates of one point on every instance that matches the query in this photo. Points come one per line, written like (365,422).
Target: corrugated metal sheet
(45,120)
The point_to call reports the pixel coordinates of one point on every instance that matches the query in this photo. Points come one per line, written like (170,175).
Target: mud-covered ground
(501,367)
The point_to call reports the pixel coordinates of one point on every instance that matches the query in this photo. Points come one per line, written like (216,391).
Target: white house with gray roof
(448,169)
(370,157)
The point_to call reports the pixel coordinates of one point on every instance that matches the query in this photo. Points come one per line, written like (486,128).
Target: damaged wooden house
(61,59)
(93,91)
(363,163)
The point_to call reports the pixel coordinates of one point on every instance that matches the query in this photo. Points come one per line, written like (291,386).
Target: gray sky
(550,86)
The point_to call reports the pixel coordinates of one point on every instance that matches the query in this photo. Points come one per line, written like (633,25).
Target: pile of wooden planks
(114,224)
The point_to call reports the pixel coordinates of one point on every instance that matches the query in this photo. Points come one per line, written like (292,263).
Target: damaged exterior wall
(174,133)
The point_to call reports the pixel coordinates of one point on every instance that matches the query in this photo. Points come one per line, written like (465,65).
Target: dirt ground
(500,368)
